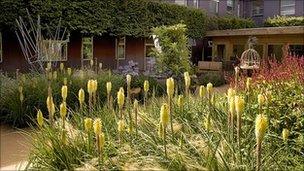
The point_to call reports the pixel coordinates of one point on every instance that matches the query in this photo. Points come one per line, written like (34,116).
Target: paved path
(14,147)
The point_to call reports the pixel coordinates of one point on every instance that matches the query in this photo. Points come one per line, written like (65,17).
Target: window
(214,6)
(238,50)
(1,47)
(149,45)
(260,49)
(275,52)
(221,53)
(230,6)
(121,48)
(257,8)
(288,7)
(195,3)
(54,50)
(296,50)
(87,48)
(181,2)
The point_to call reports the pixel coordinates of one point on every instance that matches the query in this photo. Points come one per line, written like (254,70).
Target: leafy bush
(284,81)
(216,78)
(35,91)
(279,21)
(173,57)
(229,22)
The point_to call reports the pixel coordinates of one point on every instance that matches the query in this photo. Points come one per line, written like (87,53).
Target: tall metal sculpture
(39,48)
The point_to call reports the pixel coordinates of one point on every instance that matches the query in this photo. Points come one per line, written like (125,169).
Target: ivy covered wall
(114,17)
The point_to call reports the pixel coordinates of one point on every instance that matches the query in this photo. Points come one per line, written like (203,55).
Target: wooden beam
(257,31)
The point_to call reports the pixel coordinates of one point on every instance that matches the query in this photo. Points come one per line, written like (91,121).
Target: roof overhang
(257,31)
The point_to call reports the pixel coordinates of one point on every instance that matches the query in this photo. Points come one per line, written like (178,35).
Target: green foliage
(174,58)
(216,78)
(279,21)
(119,17)
(190,147)
(35,91)
(229,22)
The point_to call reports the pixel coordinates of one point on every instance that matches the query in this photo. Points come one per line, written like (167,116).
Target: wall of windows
(214,6)
(87,49)
(296,50)
(257,8)
(288,7)
(121,48)
(230,6)
(1,53)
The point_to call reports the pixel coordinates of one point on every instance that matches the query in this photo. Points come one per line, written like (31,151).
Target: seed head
(109,87)
(101,138)
(209,88)
(146,86)
(180,101)
(88,124)
(69,70)
(232,106)
(164,114)
(55,75)
(40,118)
(202,91)
(64,92)
(120,98)
(261,99)
(81,96)
(129,79)
(135,105)
(97,126)
(121,126)
(90,86)
(260,127)
(239,104)
(61,66)
(285,134)
(187,79)
(170,86)
(63,110)
(95,85)
(65,81)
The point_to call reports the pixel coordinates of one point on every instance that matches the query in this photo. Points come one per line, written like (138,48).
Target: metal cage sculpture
(250,58)
(36,48)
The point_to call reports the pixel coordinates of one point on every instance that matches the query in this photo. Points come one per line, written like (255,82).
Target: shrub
(173,57)
(35,91)
(279,21)
(229,22)
(216,78)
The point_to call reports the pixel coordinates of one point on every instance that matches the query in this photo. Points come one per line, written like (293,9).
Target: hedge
(279,21)
(229,22)
(119,17)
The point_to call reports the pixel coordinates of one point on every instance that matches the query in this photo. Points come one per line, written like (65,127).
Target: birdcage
(250,58)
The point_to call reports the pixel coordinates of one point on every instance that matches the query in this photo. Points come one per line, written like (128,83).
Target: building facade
(258,10)
(227,46)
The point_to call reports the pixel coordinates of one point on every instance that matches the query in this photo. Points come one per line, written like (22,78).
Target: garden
(92,118)
(84,120)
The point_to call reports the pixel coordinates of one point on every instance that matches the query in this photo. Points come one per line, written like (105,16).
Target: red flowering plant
(282,83)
